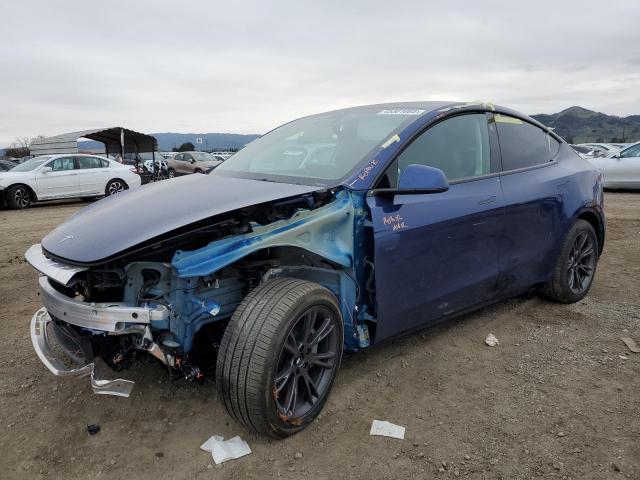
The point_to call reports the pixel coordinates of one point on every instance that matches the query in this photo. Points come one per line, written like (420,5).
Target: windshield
(317,149)
(30,164)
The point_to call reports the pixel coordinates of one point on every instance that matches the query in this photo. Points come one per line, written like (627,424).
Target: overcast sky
(247,66)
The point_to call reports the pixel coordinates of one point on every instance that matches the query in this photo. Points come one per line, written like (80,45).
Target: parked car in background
(333,232)
(6,165)
(184,163)
(52,177)
(605,148)
(585,152)
(621,169)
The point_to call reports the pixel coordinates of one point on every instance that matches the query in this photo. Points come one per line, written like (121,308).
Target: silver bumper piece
(42,346)
(108,317)
(59,272)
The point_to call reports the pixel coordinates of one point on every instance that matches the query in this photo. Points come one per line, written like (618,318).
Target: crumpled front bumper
(45,348)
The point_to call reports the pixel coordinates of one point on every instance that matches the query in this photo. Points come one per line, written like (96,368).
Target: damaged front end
(159,296)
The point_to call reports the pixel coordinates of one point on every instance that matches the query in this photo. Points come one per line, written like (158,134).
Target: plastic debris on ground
(631,344)
(491,340)
(222,450)
(387,429)
(93,428)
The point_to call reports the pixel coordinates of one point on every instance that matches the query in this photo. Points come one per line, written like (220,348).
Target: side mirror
(417,179)
(422,177)
(46,169)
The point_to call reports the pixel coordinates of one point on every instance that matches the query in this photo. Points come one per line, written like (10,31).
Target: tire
(171,173)
(114,186)
(197,170)
(18,197)
(258,344)
(575,268)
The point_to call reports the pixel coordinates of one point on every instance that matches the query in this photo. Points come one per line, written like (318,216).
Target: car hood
(129,218)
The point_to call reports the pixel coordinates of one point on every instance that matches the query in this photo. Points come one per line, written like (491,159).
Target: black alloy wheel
(575,266)
(306,362)
(279,356)
(581,264)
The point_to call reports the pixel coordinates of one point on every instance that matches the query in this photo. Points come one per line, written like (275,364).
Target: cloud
(246,67)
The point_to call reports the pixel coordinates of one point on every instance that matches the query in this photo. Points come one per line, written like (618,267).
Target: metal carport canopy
(115,139)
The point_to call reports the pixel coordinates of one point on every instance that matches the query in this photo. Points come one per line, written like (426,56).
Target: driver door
(436,254)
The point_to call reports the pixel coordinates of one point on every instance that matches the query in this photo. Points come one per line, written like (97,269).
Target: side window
(179,157)
(458,146)
(631,152)
(89,162)
(187,157)
(61,164)
(523,145)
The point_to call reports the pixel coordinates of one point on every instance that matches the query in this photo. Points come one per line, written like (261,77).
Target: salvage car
(52,177)
(331,233)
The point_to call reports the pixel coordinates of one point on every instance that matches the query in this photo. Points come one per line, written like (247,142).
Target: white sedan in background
(51,177)
(622,169)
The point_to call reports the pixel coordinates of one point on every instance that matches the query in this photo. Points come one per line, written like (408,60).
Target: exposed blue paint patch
(326,231)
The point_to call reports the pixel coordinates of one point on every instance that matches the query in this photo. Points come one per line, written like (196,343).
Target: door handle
(487,200)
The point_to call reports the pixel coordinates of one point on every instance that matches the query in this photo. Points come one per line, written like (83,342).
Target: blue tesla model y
(332,232)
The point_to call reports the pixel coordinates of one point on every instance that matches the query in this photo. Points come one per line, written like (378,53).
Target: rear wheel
(18,196)
(279,356)
(114,186)
(576,266)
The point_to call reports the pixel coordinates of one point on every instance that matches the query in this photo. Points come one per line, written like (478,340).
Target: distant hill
(210,141)
(579,125)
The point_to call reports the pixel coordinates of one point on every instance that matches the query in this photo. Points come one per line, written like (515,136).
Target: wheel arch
(597,223)
(32,192)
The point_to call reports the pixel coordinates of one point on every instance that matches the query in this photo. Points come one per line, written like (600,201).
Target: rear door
(623,170)
(93,174)
(534,185)
(437,254)
(61,182)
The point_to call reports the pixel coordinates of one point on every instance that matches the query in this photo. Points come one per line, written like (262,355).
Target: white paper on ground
(206,446)
(387,429)
(491,340)
(235,447)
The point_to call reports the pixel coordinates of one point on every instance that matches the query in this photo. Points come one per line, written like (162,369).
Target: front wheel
(280,355)
(18,196)
(576,266)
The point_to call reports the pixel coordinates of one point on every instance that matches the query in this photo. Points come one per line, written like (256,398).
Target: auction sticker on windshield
(404,111)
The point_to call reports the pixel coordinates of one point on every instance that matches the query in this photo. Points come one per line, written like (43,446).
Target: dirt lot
(558,398)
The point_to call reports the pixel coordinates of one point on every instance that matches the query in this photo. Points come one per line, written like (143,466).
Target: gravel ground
(558,398)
